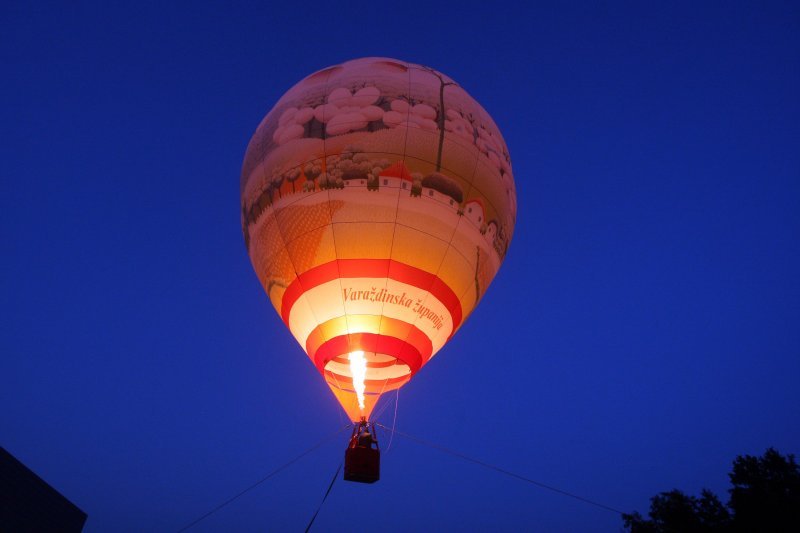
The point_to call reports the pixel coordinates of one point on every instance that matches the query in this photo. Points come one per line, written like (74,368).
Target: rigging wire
(338,411)
(266,477)
(380,412)
(394,422)
(336,475)
(503,471)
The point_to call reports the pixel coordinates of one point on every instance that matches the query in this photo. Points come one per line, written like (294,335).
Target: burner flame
(358,368)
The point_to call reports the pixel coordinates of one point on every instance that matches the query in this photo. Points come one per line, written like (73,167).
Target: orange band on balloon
(371,386)
(369,342)
(389,327)
(372,268)
(343,359)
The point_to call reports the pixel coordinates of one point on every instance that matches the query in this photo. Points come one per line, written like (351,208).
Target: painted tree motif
(440,113)
(291,176)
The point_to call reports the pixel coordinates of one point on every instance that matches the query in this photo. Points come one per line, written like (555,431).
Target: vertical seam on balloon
(396,211)
(470,287)
(291,259)
(330,215)
(449,246)
(444,256)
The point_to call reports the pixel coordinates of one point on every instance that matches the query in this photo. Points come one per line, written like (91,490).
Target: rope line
(262,480)
(336,475)
(394,421)
(380,412)
(504,471)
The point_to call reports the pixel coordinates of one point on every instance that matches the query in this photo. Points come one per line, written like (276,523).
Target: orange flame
(358,368)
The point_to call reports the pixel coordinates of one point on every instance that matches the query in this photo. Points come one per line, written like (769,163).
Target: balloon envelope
(378,203)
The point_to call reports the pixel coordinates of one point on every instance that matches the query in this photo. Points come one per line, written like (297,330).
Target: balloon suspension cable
(394,422)
(359,428)
(262,480)
(335,475)
(503,470)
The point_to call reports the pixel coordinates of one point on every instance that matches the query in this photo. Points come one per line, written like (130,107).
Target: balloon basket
(362,458)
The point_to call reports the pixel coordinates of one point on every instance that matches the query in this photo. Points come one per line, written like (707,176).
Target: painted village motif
(378,158)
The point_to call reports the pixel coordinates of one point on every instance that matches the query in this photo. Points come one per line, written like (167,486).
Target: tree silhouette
(312,171)
(765,498)
(766,492)
(675,511)
(323,181)
(373,183)
(277,181)
(444,185)
(416,184)
(291,176)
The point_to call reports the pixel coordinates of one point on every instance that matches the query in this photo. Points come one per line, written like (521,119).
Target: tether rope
(503,471)
(380,412)
(336,475)
(394,421)
(262,480)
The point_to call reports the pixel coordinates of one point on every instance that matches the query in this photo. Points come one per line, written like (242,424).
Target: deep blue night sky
(643,329)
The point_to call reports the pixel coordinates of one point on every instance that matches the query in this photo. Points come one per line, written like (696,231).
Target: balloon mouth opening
(378,372)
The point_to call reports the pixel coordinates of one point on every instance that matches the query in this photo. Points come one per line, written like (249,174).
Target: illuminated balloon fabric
(377,205)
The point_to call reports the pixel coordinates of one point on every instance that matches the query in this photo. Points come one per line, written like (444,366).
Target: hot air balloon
(378,203)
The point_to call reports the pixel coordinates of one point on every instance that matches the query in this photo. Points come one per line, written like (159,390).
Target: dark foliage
(448,186)
(765,497)
(766,493)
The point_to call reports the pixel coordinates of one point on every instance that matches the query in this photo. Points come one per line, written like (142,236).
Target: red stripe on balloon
(344,360)
(389,327)
(371,386)
(368,342)
(371,268)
